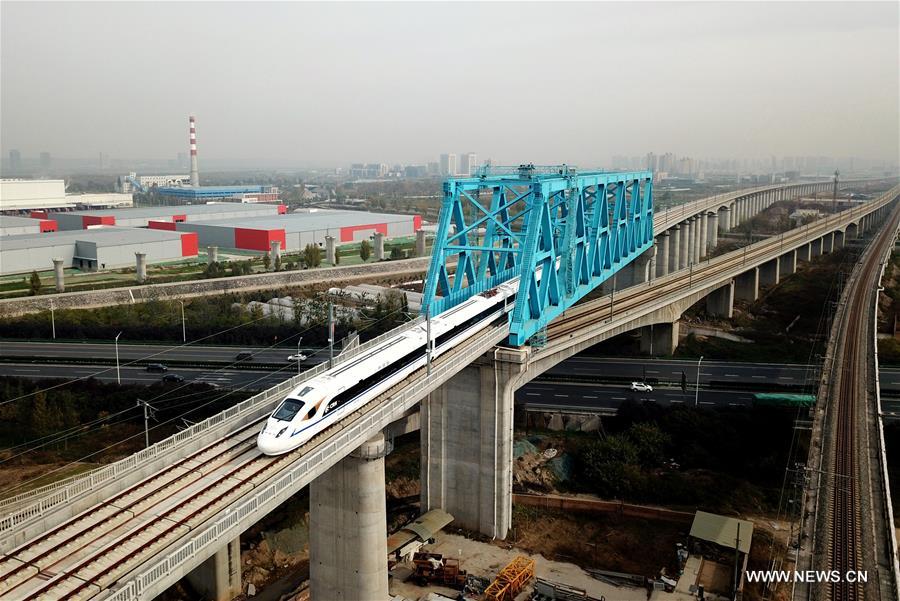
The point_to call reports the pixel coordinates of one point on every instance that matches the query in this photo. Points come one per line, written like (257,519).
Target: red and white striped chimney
(195,173)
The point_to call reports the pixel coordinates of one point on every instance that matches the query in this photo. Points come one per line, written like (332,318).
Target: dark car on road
(156,367)
(173,378)
(244,356)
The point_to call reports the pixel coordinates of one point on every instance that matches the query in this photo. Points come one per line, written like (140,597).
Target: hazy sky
(309,83)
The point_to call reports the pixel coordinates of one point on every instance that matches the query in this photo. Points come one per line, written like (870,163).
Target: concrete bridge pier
(724,220)
(787,263)
(769,273)
(420,243)
(838,242)
(660,339)
(274,251)
(662,254)
(140,267)
(815,247)
(59,274)
(683,257)
(704,234)
(804,253)
(675,246)
(348,527)
(212,254)
(219,577)
(379,246)
(746,285)
(712,239)
(467,433)
(720,302)
(329,250)
(827,243)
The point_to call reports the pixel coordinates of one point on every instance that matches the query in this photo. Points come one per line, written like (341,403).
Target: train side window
(310,413)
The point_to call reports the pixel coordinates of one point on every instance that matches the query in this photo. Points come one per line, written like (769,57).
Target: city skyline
(672,91)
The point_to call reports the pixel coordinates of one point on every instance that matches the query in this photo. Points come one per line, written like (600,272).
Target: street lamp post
(118,373)
(183,327)
(52,319)
(298,354)
(697,388)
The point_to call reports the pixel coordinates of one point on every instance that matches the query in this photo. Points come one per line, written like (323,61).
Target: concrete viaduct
(131,529)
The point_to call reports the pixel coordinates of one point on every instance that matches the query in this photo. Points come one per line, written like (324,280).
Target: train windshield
(288,409)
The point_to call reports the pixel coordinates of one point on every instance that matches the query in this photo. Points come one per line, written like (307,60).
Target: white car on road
(298,357)
(641,387)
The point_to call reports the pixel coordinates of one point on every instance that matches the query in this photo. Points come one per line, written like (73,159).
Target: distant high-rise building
(448,164)
(15,160)
(468,163)
(45,160)
(652,162)
(434,168)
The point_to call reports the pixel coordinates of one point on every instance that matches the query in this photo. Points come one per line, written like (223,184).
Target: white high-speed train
(326,398)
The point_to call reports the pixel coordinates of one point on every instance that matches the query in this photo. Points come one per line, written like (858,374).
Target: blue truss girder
(574,229)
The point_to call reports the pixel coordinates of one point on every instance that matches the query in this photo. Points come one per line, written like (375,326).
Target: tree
(267,261)
(365,250)
(312,255)
(396,253)
(337,258)
(278,263)
(34,284)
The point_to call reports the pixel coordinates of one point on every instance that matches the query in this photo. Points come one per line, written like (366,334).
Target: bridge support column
(769,274)
(140,267)
(348,528)
(329,250)
(275,251)
(675,246)
(725,220)
(720,302)
(466,434)
(219,577)
(787,263)
(815,247)
(60,274)
(704,234)
(379,246)
(212,255)
(683,258)
(698,238)
(803,253)
(659,339)
(713,231)
(827,243)
(420,243)
(746,285)
(838,240)
(662,254)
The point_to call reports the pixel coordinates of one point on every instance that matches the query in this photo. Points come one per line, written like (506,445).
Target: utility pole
(834,192)
(118,374)
(330,335)
(147,417)
(697,387)
(737,556)
(52,319)
(183,328)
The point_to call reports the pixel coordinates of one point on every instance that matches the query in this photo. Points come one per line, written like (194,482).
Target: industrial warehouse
(109,239)
(295,230)
(93,249)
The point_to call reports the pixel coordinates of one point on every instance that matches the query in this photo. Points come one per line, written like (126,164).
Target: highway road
(584,367)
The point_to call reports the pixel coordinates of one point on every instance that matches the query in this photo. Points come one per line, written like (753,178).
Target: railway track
(89,553)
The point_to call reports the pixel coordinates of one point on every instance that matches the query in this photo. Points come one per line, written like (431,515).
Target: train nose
(268,444)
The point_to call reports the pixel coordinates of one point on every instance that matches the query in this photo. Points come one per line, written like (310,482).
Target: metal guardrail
(305,469)
(59,493)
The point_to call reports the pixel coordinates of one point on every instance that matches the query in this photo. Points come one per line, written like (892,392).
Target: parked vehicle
(156,367)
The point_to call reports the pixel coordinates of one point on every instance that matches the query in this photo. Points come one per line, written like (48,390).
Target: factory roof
(16,221)
(103,236)
(207,191)
(168,211)
(307,221)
